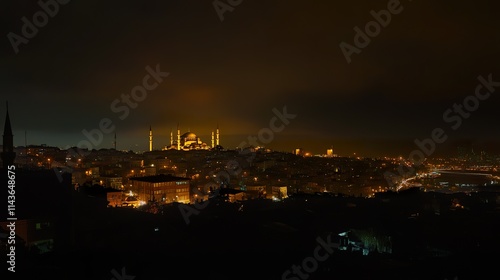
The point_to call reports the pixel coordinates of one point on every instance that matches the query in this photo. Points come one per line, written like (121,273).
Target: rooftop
(159,178)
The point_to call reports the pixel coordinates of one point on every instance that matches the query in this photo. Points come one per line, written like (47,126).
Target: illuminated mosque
(187,141)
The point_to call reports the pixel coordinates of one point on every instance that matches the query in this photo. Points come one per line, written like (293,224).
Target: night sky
(265,54)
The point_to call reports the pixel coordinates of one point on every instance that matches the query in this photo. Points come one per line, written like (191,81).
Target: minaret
(8,154)
(178,138)
(171,138)
(150,139)
(217,139)
(213,141)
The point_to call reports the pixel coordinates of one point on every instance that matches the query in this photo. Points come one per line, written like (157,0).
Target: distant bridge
(463,173)
(406,182)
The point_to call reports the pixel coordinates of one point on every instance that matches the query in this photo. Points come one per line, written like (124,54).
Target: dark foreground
(424,237)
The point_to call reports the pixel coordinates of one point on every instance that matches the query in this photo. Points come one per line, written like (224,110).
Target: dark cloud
(265,54)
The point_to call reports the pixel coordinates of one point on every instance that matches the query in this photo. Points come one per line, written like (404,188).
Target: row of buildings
(165,189)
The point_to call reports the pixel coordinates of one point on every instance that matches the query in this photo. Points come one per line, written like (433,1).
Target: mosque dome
(189,136)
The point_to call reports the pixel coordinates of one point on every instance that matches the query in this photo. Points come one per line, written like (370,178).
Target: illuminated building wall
(161,188)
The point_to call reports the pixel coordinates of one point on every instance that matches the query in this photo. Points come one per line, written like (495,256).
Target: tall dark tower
(8,154)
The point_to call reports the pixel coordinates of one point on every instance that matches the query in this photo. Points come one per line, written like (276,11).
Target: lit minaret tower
(8,154)
(171,138)
(150,139)
(178,138)
(213,141)
(217,139)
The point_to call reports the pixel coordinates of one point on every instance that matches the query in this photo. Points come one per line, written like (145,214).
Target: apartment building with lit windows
(161,188)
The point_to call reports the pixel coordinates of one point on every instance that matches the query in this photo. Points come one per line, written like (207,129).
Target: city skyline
(161,140)
(238,139)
